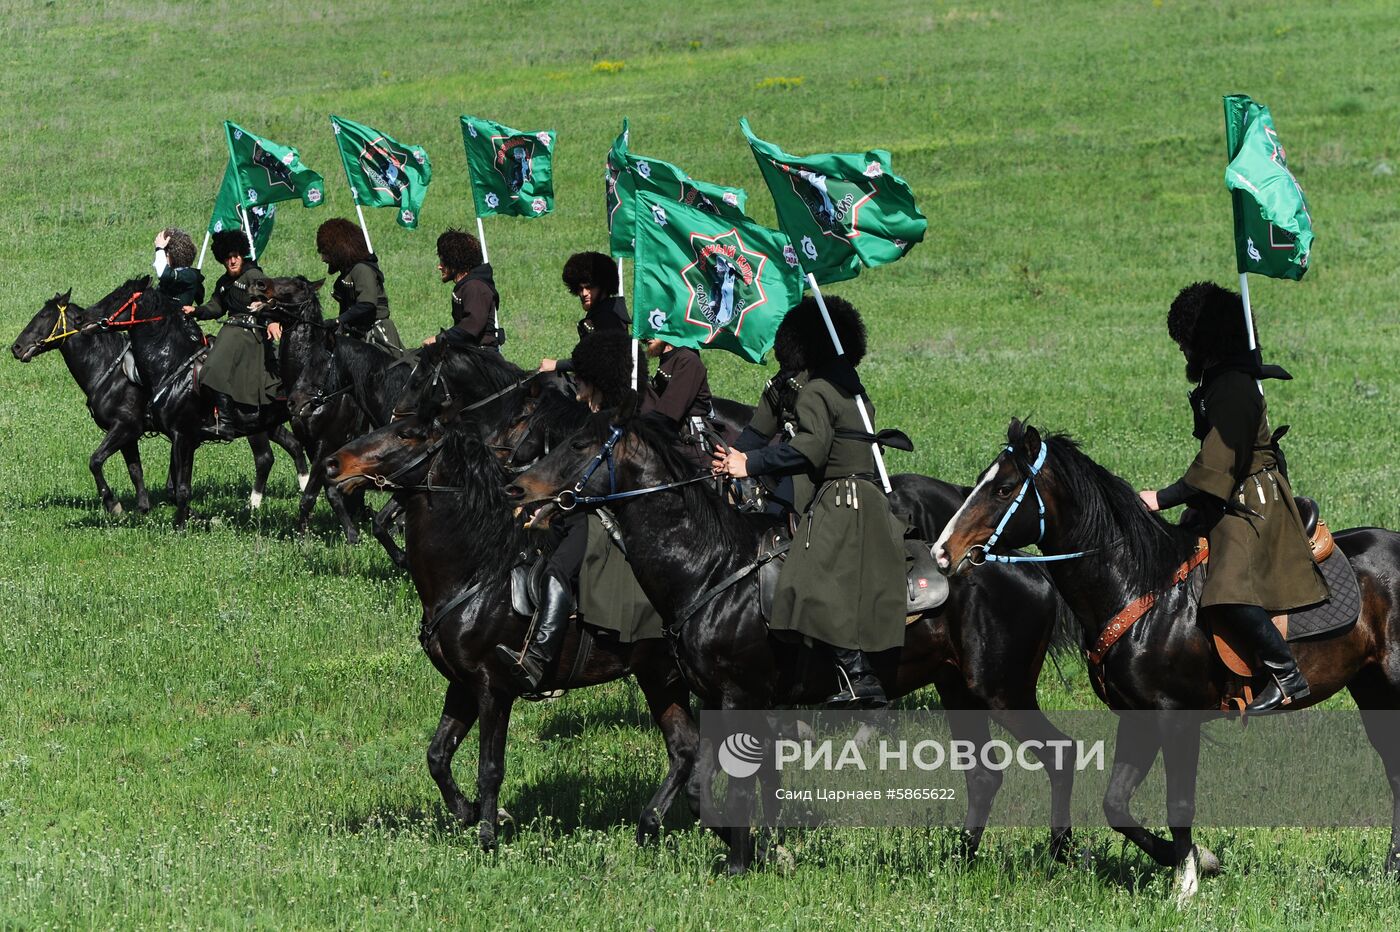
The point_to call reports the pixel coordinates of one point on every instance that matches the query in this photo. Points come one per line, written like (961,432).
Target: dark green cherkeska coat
(237,365)
(609,595)
(1255,559)
(364,284)
(843,581)
(185,285)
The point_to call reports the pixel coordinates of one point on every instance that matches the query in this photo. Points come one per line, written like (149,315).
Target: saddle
(925,587)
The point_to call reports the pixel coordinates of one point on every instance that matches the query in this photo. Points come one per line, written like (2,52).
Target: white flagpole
(636,344)
(486,257)
(248,232)
(860,400)
(203,249)
(1249,322)
(359,212)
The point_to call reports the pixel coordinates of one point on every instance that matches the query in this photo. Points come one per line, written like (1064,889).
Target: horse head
(396,455)
(54,323)
(291,301)
(1004,509)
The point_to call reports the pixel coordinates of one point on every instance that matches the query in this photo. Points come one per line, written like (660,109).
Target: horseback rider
(678,395)
(238,373)
(603,371)
(1260,560)
(474,297)
(843,581)
(359,285)
(592,278)
(176,276)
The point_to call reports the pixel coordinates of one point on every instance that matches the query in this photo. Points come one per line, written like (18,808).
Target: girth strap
(1119,624)
(430,624)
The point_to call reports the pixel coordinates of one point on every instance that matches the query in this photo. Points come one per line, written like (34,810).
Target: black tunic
(474,304)
(681,387)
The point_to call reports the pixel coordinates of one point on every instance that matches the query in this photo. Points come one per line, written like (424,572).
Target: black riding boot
(220,423)
(530,667)
(861,688)
(1286,681)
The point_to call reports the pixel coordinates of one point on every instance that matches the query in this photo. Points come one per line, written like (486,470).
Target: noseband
(982,553)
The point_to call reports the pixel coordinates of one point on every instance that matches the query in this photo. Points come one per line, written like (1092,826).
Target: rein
(128,308)
(569,499)
(982,553)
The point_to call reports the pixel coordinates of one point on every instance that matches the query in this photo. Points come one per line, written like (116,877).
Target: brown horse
(1166,661)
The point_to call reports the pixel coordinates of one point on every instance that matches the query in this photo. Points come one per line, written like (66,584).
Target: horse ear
(64,298)
(1032,440)
(1015,431)
(316,285)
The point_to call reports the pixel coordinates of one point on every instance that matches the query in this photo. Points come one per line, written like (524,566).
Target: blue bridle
(569,499)
(985,550)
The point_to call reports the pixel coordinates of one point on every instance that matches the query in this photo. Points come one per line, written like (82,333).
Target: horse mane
(717,521)
(1112,520)
(559,416)
(477,506)
(471,372)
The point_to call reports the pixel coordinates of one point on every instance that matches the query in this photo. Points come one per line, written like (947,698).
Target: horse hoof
(779,857)
(303,479)
(143,507)
(1210,864)
(115,509)
(648,828)
(255,500)
(1188,878)
(487,836)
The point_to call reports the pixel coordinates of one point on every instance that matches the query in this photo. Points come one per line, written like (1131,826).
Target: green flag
(226,215)
(266,172)
(511,171)
(710,282)
(382,171)
(628,174)
(840,210)
(1273,229)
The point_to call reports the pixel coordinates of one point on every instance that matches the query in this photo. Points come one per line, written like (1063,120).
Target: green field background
(227,726)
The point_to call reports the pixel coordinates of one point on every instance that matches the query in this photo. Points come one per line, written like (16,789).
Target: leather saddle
(925,587)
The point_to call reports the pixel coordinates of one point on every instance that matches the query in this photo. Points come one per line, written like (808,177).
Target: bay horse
(1166,660)
(117,403)
(165,343)
(462,540)
(982,649)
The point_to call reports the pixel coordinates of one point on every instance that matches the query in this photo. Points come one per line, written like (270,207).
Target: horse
(117,403)
(337,389)
(982,650)
(462,539)
(166,344)
(1167,662)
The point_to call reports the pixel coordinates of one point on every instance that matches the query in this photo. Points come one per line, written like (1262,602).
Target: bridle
(390,482)
(572,498)
(982,553)
(62,329)
(128,308)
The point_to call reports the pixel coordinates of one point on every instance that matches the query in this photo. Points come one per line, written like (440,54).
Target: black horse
(117,403)
(337,388)
(983,649)
(1167,661)
(461,540)
(166,344)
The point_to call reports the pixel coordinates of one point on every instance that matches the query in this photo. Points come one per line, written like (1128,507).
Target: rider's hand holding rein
(731,462)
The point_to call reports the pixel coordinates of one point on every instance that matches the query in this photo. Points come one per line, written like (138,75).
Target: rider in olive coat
(359,285)
(843,581)
(1260,561)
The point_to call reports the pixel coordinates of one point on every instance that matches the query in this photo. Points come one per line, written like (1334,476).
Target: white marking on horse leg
(302,479)
(255,500)
(1189,879)
(941,555)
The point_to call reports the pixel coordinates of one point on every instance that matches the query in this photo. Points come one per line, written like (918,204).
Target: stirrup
(519,673)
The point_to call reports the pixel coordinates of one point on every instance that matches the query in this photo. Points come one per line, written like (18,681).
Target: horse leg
(1181,755)
(1375,697)
(309,493)
(342,511)
(969,723)
(132,454)
(383,528)
(668,700)
(1051,747)
(458,716)
(491,761)
(115,439)
(183,455)
(285,439)
(1134,750)
(262,468)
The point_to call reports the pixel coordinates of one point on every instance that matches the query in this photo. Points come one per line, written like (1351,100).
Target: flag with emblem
(382,171)
(710,282)
(1273,229)
(841,210)
(511,171)
(627,174)
(227,217)
(266,172)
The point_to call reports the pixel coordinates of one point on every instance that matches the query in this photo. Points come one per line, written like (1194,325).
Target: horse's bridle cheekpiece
(984,551)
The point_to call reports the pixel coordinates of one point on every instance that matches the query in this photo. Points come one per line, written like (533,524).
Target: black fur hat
(593,269)
(803,343)
(228,243)
(1207,322)
(601,359)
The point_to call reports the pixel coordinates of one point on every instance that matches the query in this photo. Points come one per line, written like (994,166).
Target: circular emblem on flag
(471,130)
(419,156)
(314,195)
(218,226)
(543,138)
(657,318)
(238,134)
(658,213)
(644,169)
(809,248)
(335,128)
(407,216)
(288,159)
(259,211)
(899,243)
(873,170)
(252,196)
(789,254)
(492,201)
(731,198)
(538,205)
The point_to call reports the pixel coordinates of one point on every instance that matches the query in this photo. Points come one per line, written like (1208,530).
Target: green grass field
(226,726)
